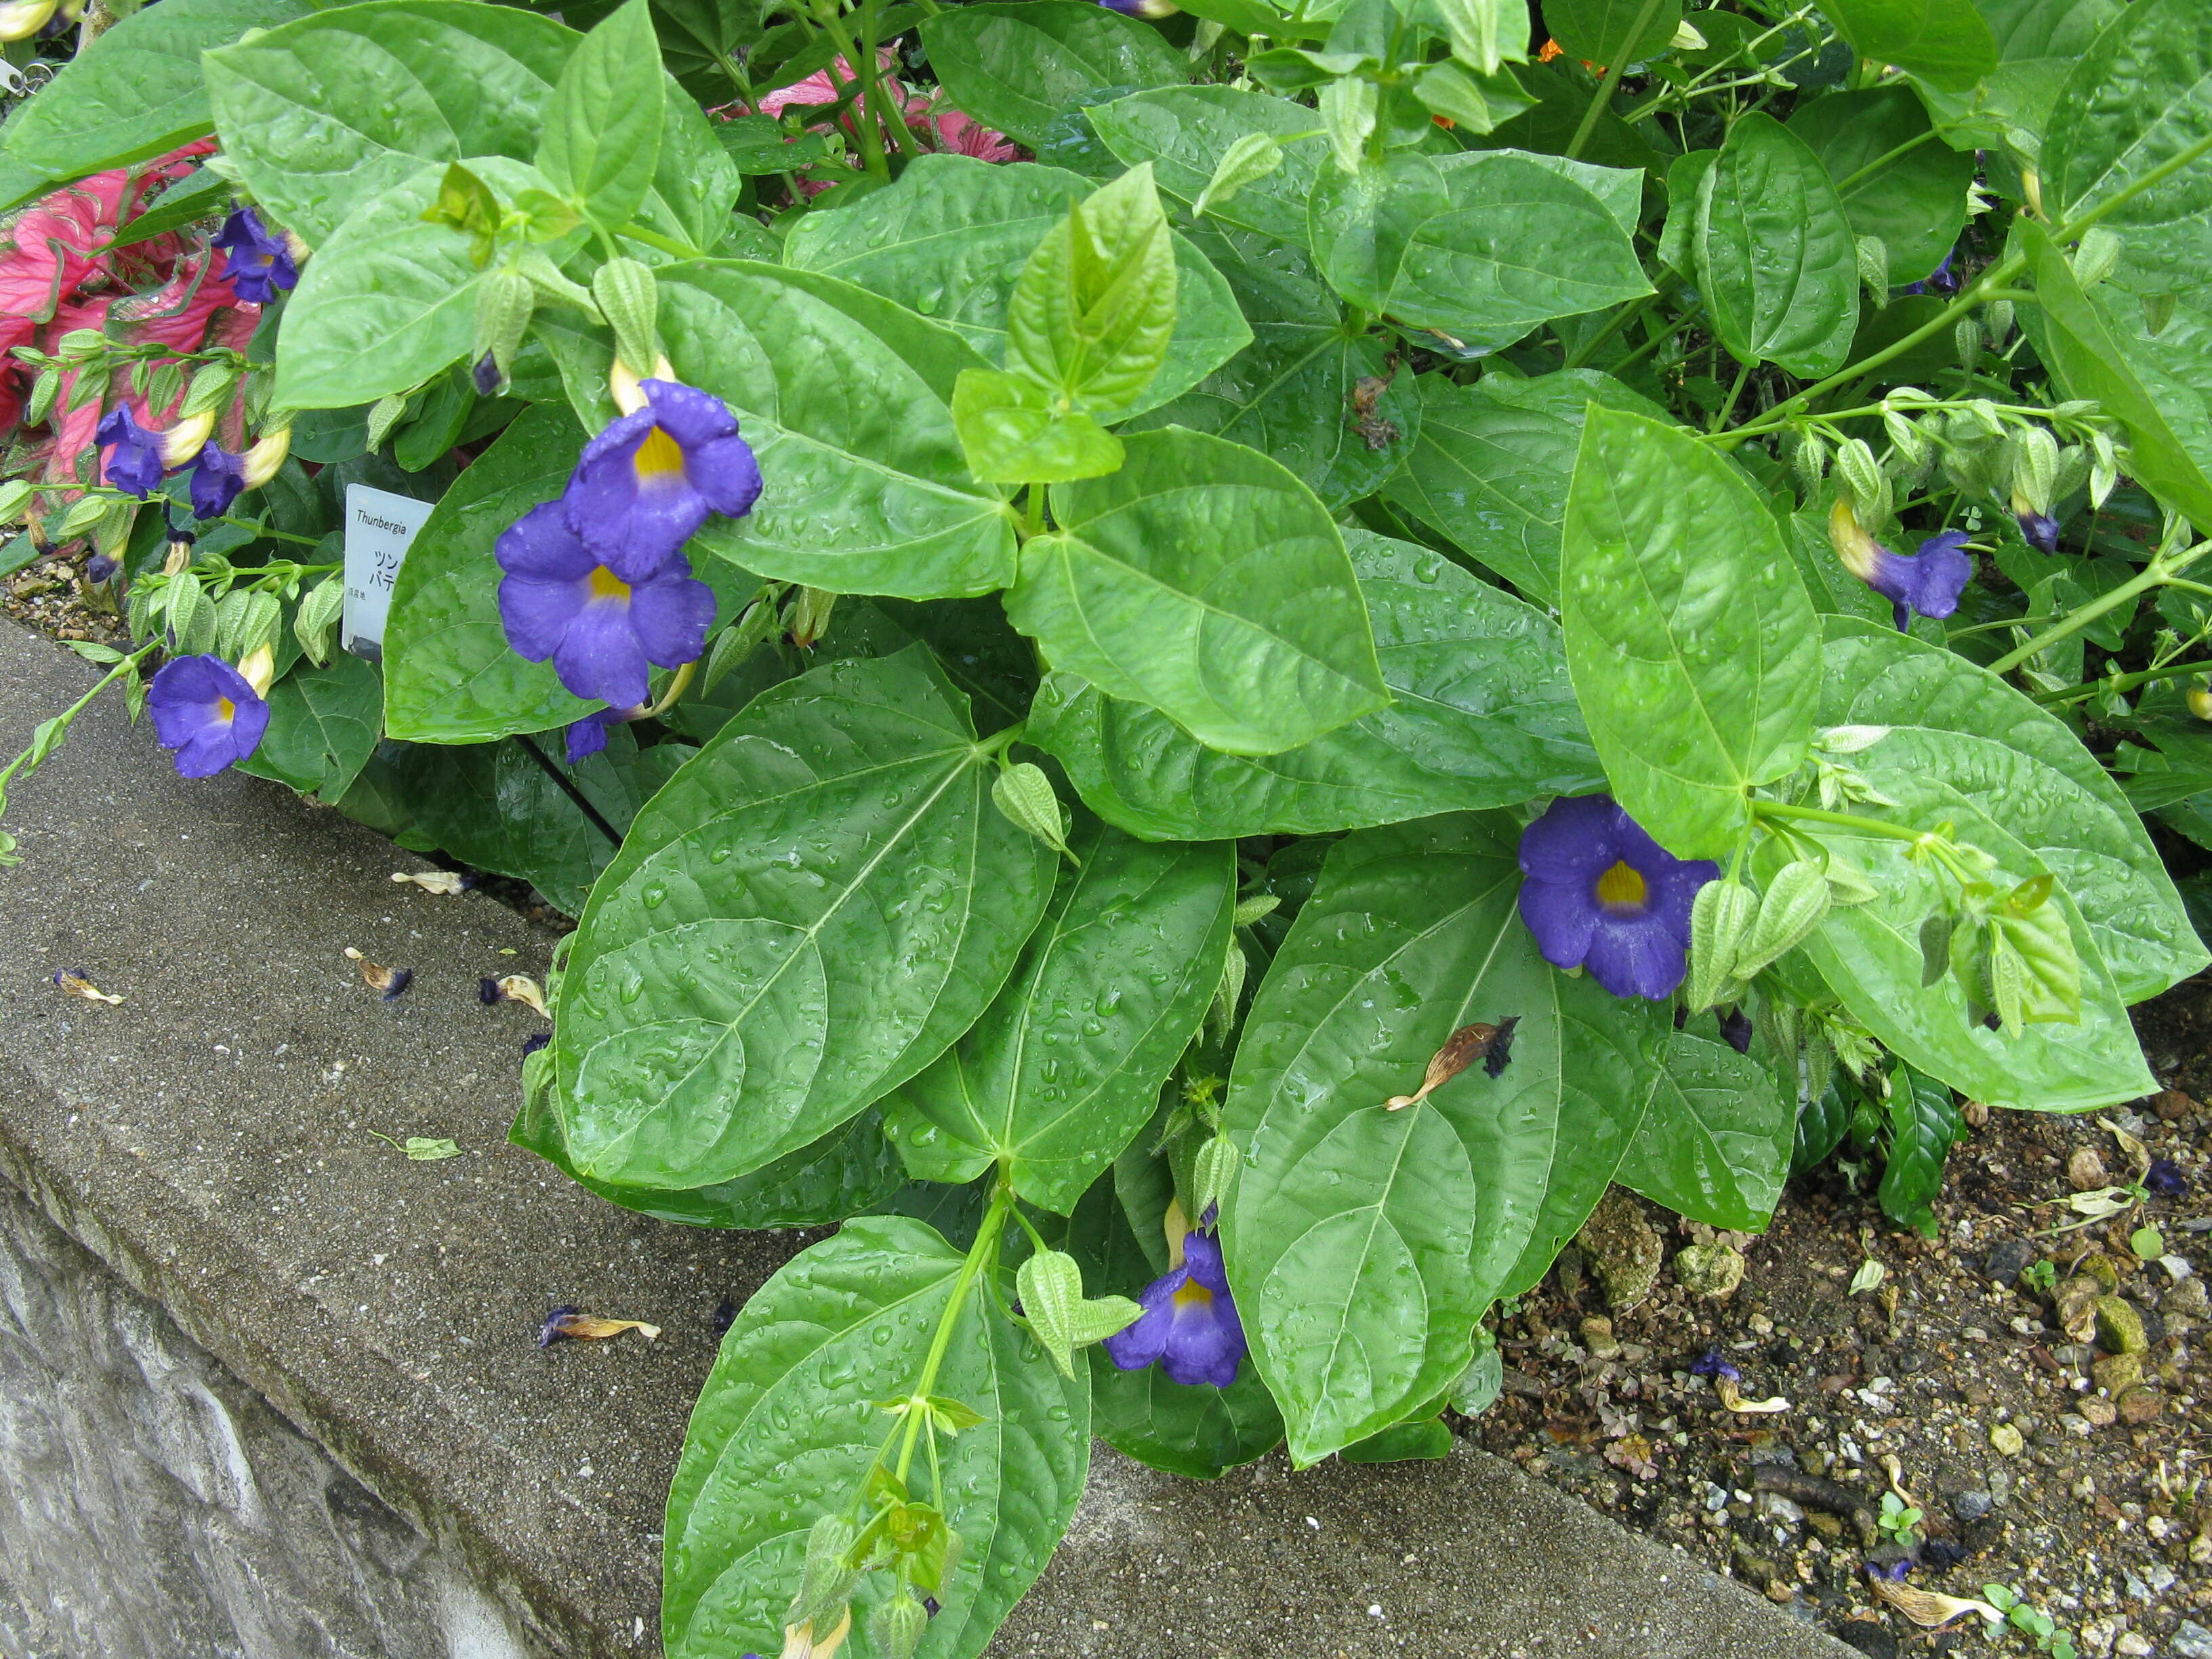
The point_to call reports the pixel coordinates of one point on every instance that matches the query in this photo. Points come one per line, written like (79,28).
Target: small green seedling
(2033,1621)
(1900,1521)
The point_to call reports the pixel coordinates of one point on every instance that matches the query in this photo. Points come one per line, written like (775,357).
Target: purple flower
(600,628)
(2165,1178)
(2038,530)
(218,475)
(1142,8)
(588,736)
(534,1041)
(258,262)
(555,1327)
(1601,894)
(1189,1325)
(133,464)
(1735,1031)
(649,481)
(1938,281)
(1929,582)
(101,567)
(1710,1363)
(203,708)
(485,374)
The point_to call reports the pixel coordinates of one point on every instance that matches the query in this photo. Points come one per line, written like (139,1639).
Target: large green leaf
(2019,765)
(1480,715)
(1776,260)
(2038,42)
(1691,644)
(329,111)
(135,92)
(1018,67)
(1923,1122)
(1204,581)
(951,236)
(1325,398)
(785,1428)
(602,137)
(1363,1244)
(1066,1067)
(323,726)
(2100,346)
(1605,32)
(1491,470)
(812,911)
(1185,131)
(1481,246)
(1715,1143)
(2139,99)
(1944,42)
(846,399)
(450,675)
(390,299)
(1916,202)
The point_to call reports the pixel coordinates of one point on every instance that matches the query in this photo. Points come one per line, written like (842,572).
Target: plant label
(378,528)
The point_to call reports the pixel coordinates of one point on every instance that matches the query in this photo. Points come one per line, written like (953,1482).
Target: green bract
(1255,651)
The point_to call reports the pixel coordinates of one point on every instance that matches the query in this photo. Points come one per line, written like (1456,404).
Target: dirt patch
(50,594)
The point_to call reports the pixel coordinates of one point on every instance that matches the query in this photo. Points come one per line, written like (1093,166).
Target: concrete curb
(208,1139)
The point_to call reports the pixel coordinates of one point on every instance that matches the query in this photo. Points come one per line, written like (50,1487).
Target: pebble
(2120,1326)
(1972,1505)
(2139,1405)
(1622,1250)
(2007,1439)
(2096,1413)
(2007,1260)
(2116,1372)
(2191,1641)
(2085,1170)
(1712,1270)
(2134,1645)
(2172,1105)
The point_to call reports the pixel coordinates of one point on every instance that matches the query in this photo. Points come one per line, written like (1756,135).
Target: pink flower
(960,133)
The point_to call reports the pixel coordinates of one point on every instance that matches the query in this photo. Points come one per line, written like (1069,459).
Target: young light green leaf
(1473,104)
(1066,1067)
(1612,34)
(1692,647)
(1795,899)
(602,135)
(1204,580)
(1025,795)
(1480,715)
(1249,159)
(1720,916)
(1348,105)
(1775,254)
(1486,35)
(723,1006)
(1050,1286)
(844,1324)
(1014,431)
(1091,316)
(1361,1243)
(1715,1144)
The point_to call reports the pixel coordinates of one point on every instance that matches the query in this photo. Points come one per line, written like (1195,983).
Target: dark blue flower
(258,261)
(588,736)
(1929,582)
(1142,8)
(1735,1031)
(101,567)
(600,627)
(218,475)
(1710,1364)
(647,482)
(555,1327)
(1189,1327)
(485,376)
(2165,1178)
(2038,530)
(534,1041)
(1938,281)
(1601,894)
(133,462)
(203,708)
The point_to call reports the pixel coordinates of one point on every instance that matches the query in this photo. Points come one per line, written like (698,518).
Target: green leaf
(1715,1143)
(1944,42)
(1491,468)
(1923,1124)
(850,1169)
(133,93)
(450,675)
(1204,581)
(390,299)
(1066,1067)
(757,147)
(951,236)
(335,109)
(1916,202)
(1822,1122)
(1692,647)
(698,38)
(1480,715)
(821,900)
(1017,67)
(1604,33)
(1326,400)
(2038,42)
(784,1432)
(1775,255)
(1011,432)
(2099,345)
(602,137)
(1995,753)
(1480,246)
(1363,1243)
(323,726)
(1402,1443)
(846,400)
(1091,315)
(2139,99)
(1185,132)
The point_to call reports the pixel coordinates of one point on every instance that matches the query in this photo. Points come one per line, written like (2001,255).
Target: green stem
(638,233)
(871,136)
(1653,344)
(1033,515)
(891,121)
(1619,319)
(984,1251)
(1609,78)
(2074,694)
(2071,231)
(1775,809)
(261,529)
(1883,160)
(63,720)
(1742,374)
(2152,576)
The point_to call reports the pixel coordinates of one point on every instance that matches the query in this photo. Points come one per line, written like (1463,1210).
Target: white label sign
(378,526)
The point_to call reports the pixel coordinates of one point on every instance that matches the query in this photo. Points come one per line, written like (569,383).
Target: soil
(50,594)
(2099,1513)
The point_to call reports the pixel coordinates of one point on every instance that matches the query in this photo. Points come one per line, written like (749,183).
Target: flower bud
(1968,339)
(2032,467)
(181,443)
(629,299)
(2199,699)
(1998,316)
(1211,1172)
(22,19)
(80,344)
(262,461)
(246,623)
(800,1641)
(898,1625)
(1864,482)
(1025,795)
(1720,916)
(1792,907)
(259,668)
(505,300)
(1811,459)
(320,609)
(1873,267)
(14,497)
(2097,257)
(807,616)
(623,384)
